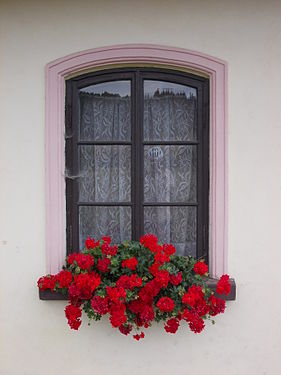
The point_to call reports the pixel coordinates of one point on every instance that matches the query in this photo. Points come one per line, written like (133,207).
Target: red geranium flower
(84,285)
(90,243)
(150,241)
(138,337)
(104,265)
(196,324)
(223,285)
(130,263)
(162,277)
(154,268)
(108,250)
(169,249)
(64,278)
(73,313)
(47,282)
(193,296)
(146,315)
(176,279)
(200,268)
(117,315)
(83,261)
(106,239)
(150,290)
(129,282)
(172,325)
(160,256)
(116,294)
(100,304)
(217,305)
(125,329)
(165,304)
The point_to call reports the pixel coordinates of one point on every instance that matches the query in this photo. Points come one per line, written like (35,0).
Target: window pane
(105,112)
(170,173)
(104,221)
(169,112)
(176,225)
(105,173)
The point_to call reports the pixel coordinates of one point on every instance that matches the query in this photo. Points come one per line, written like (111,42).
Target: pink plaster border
(58,70)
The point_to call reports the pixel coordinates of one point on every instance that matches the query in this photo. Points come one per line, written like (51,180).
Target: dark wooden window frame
(137,77)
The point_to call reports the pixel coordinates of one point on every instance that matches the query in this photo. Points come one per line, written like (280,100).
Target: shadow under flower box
(48,295)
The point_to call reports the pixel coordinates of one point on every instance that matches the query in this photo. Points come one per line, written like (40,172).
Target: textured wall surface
(34,336)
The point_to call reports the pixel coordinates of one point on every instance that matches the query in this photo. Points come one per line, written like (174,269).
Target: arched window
(211,229)
(137,157)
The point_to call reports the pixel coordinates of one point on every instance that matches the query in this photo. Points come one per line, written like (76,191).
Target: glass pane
(170,173)
(104,221)
(105,112)
(176,225)
(169,112)
(105,173)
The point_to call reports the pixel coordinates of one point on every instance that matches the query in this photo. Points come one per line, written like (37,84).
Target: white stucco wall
(34,336)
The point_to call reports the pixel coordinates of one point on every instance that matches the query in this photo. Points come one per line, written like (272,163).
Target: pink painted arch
(56,73)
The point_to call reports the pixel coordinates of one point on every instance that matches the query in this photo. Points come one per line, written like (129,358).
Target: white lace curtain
(169,171)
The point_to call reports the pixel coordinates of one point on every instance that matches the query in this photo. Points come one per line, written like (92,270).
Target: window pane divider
(103,143)
(125,204)
(168,204)
(170,143)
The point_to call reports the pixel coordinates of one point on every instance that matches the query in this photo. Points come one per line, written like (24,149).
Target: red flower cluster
(106,239)
(223,285)
(150,241)
(108,250)
(195,322)
(135,289)
(83,286)
(47,282)
(129,282)
(90,243)
(130,263)
(117,315)
(138,337)
(195,298)
(217,305)
(104,265)
(162,278)
(176,279)
(100,304)
(200,268)
(125,329)
(172,325)
(149,291)
(64,278)
(165,304)
(73,313)
(83,261)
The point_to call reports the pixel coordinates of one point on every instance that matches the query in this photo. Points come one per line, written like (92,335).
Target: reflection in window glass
(169,112)
(105,112)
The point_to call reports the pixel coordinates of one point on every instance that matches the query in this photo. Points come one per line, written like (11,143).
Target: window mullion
(138,156)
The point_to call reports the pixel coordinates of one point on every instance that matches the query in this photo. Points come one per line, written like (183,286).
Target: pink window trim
(56,73)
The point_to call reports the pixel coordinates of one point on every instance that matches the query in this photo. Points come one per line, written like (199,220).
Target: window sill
(48,295)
